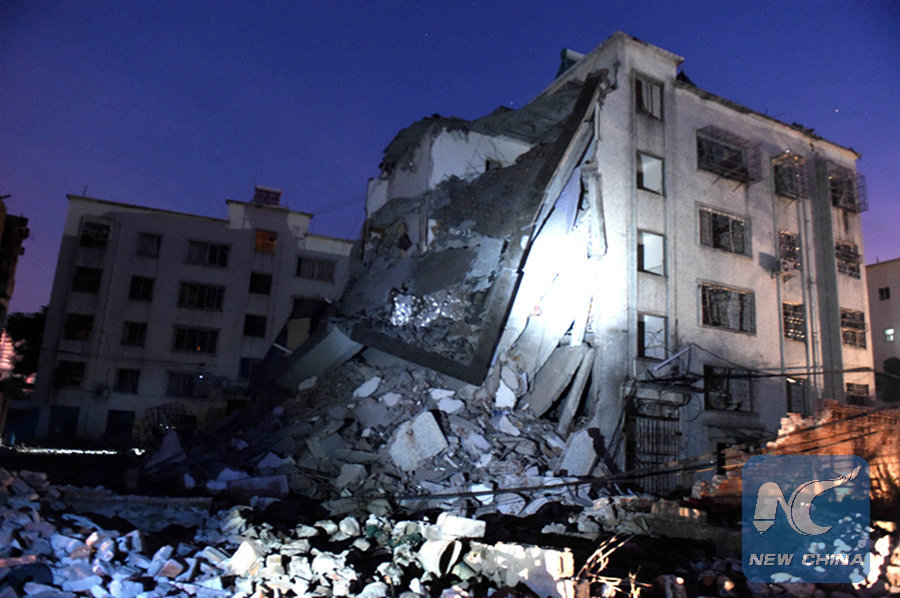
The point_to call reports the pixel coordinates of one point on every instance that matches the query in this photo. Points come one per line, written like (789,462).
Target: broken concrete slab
(325,349)
(417,440)
(580,455)
(367,388)
(553,378)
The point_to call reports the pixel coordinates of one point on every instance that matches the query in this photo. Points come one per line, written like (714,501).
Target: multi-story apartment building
(884,306)
(158,317)
(707,254)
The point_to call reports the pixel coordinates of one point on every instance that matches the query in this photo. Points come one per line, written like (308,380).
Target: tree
(26,331)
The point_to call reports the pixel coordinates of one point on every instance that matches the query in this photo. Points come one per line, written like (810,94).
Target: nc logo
(797,508)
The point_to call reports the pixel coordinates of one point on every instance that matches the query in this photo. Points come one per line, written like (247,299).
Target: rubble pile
(130,546)
(389,432)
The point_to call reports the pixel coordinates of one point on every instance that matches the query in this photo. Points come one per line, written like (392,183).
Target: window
(789,250)
(796,395)
(77,327)
(127,380)
(794,321)
(723,232)
(648,97)
(649,173)
(207,254)
(254,325)
(728,308)
(247,367)
(134,334)
(148,244)
(884,293)
(188,384)
(315,268)
(848,258)
(265,241)
(141,289)
(260,283)
(722,158)
(727,389)
(195,340)
(888,335)
(853,328)
(87,280)
(69,373)
(651,336)
(651,256)
(790,176)
(847,190)
(857,394)
(196,295)
(94,234)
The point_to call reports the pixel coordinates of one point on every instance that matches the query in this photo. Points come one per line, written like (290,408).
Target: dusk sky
(180,105)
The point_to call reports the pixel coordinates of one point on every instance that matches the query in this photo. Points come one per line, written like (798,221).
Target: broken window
(723,231)
(187,384)
(796,395)
(134,334)
(77,327)
(141,289)
(127,380)
(196,295)
(265,241)
(254,325)
(857,394)
(649,173)
(848,258)
(853,328)
(727,389)
(260,283)
(794,321)
(728,308)
(790,175)
(789,250)
(651,334)
(94,234)
(207,254)
(69,373)
(148,244)
(648,97)
(195,340)
(315,268)
(651,255)
(884,293)
(722,158)
(87,280)
(847,190)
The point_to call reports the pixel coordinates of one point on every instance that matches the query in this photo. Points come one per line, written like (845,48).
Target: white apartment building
(715,251)
(157,317)
(884,305)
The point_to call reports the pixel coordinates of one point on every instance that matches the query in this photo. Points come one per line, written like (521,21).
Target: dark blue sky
(180,105)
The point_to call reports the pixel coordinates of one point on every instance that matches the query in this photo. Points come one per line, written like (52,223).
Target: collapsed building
(657,270)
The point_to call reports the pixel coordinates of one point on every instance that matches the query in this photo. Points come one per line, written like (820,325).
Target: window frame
(252,325)
(853,328)
(884,293)
(640,179)
(127,327)
(200,296)
(644,104)
(151,249)
(645,351)
(727,380)
(206,253)
(847,258)
(789,252)
(710,234)
(84,274)
(329,273)
(746,305)
(74,378)
(205,340)
(256,284)
(793,321)
(127,380)
(642,253)
(71,326)
(98,238)
(141,288)
(191,385)
(266,242)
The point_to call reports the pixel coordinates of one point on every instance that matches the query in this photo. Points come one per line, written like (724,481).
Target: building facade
(884,308)
(157,318)
(707,255)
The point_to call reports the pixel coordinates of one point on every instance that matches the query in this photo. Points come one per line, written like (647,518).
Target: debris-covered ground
(60,541)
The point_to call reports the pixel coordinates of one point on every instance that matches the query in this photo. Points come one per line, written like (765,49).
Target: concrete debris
(417,440)
(367,388)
